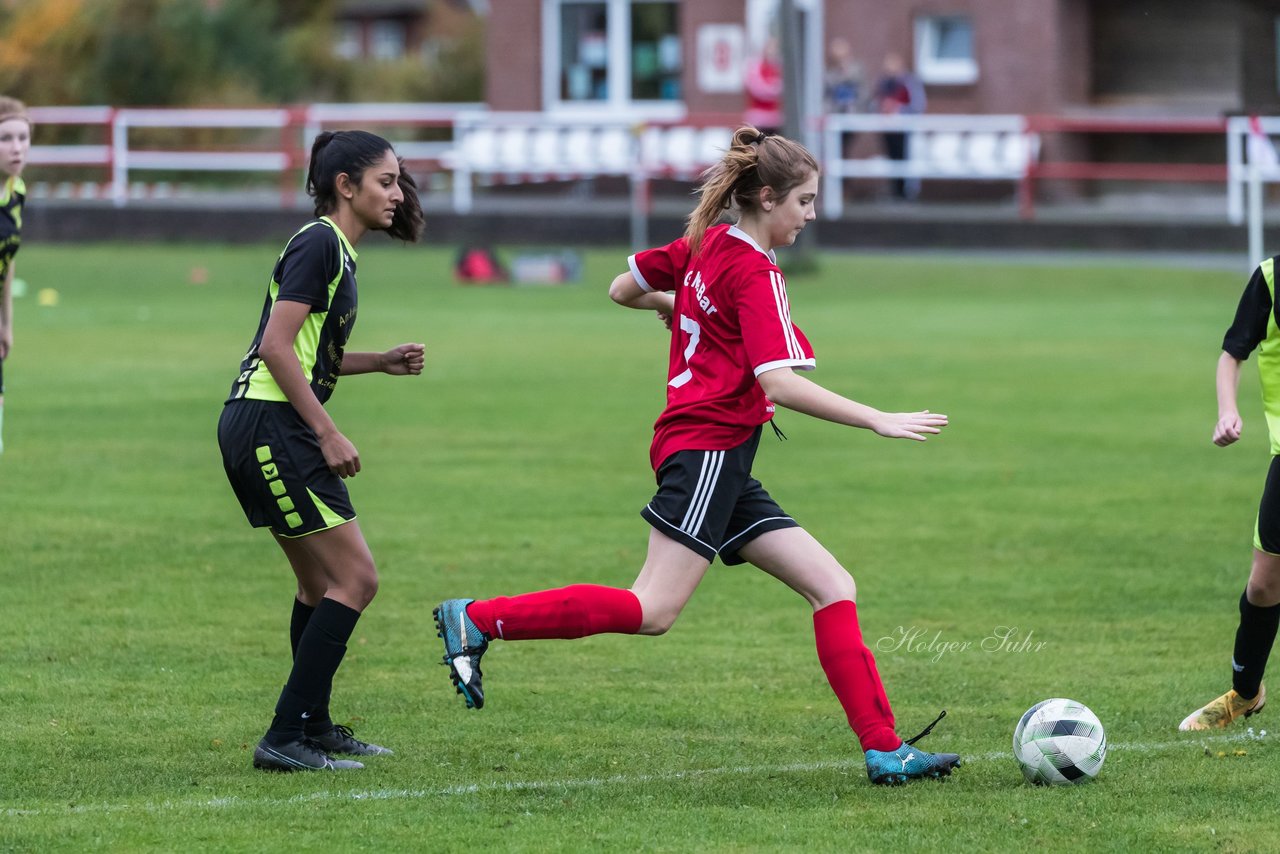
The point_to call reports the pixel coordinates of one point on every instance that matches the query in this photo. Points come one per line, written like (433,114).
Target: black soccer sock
(319,721)
(320,651)
(298,623)
(1254,637)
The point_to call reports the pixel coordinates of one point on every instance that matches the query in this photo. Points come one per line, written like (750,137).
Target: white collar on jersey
(734,231)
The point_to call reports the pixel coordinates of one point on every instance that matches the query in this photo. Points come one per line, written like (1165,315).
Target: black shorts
(275,466)
(709,502)
(1266,531)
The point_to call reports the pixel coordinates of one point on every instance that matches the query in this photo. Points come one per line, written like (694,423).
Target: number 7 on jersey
(687,324)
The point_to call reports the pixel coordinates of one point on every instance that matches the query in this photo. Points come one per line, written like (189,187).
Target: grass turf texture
(1075,500)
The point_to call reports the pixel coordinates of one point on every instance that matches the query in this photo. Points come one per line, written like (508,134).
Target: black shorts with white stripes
(708,501)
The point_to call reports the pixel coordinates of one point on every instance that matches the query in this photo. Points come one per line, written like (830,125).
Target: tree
(157,52)
(219,52)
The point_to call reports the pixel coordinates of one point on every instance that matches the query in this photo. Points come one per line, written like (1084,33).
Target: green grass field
(1075,502)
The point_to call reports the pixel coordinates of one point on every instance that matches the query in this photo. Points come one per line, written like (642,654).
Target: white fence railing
(476,145)
(284,155)
(502,147)
(967,148)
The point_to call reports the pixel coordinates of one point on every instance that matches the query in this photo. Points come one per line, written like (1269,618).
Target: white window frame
(618,101)
(943,71)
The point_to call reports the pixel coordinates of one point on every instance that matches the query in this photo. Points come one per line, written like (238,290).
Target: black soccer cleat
(301,754)
(339,740)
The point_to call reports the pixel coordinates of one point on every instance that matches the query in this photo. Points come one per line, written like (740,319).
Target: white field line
(556,785)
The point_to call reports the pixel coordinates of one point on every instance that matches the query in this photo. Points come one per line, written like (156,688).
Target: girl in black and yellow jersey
(283,454)
(1254,328)
(15,143)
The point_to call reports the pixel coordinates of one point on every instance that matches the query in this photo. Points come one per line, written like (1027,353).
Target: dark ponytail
(754,160)
(352,152)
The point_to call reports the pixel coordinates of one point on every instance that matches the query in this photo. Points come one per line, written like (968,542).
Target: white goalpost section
(1252,163)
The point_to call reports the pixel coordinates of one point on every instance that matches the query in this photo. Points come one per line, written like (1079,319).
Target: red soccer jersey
(732,323)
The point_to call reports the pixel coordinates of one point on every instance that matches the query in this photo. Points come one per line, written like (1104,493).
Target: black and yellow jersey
(12,195)
(1256,326)
(318,268)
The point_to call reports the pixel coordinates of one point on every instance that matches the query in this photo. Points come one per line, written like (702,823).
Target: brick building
(671,58)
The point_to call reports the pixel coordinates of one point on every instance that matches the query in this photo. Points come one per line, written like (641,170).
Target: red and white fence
(478,146)
(122,157)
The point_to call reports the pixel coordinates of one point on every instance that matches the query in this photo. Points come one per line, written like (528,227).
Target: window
(346,43)
(387,40)
(625,55)
(655,52)
(944,50)
(584,52)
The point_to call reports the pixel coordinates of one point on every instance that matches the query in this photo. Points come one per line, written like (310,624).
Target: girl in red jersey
(734,357)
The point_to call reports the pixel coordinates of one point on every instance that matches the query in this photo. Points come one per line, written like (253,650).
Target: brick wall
(514,74)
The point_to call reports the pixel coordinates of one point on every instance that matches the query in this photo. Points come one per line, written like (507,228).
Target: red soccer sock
(566,612)
(851,670)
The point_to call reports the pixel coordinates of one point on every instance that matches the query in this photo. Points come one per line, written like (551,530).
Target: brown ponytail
(754,160)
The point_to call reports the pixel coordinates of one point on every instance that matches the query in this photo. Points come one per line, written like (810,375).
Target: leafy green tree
(42,44)
(162,52)
(216,52)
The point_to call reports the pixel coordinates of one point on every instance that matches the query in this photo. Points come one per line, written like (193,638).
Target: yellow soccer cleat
(1223,711)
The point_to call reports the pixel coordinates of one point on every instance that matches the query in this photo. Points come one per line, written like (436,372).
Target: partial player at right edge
(1255,325)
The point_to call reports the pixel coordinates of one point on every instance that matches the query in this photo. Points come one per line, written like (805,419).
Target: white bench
(533,147)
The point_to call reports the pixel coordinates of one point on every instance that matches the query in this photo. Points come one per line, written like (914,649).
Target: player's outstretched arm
(402,360)
(1229,425)
(786,388)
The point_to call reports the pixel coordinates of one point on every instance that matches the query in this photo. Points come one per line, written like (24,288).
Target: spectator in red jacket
(764,89)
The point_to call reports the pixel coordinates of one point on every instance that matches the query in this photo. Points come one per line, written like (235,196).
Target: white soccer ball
(1059,743)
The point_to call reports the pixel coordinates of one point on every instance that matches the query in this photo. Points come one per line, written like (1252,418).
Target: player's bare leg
(797,559)
(666,582)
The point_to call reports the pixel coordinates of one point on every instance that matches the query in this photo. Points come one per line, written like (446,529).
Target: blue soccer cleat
(895,767)
(463,646)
